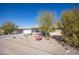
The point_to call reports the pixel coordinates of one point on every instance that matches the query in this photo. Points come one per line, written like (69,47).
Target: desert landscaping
(39,29)
(18,44)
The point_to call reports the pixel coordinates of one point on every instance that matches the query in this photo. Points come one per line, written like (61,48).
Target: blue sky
(25,14)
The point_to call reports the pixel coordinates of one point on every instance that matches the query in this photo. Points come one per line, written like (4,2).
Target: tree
(70,27)
(8,27)
(58,24)
(45,21)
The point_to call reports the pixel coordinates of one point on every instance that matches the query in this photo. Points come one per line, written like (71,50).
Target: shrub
(70,27)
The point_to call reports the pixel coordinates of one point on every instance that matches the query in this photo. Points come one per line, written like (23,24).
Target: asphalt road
(18,44)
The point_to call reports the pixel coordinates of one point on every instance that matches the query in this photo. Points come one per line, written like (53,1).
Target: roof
(29,27)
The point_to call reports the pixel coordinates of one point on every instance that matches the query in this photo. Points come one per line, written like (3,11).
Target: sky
(26,14)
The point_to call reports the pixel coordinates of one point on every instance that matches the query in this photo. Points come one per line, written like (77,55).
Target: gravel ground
(18,44)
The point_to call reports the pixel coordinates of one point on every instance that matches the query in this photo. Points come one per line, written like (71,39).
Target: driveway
(18,44)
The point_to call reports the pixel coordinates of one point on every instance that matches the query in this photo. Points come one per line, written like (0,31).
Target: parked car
(39,36)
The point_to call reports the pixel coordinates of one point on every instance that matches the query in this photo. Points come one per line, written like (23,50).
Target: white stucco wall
(27,31)
(57,32)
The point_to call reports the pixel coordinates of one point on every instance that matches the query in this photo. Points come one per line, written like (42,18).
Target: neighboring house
(34,31)
(27,31)
(56,32)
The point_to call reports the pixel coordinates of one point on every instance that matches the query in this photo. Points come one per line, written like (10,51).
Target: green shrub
(70,27)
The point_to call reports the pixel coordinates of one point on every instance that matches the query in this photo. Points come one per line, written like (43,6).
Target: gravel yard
(18,44)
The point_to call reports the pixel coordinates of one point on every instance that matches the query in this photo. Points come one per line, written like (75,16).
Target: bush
(70,27)
(8,27)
